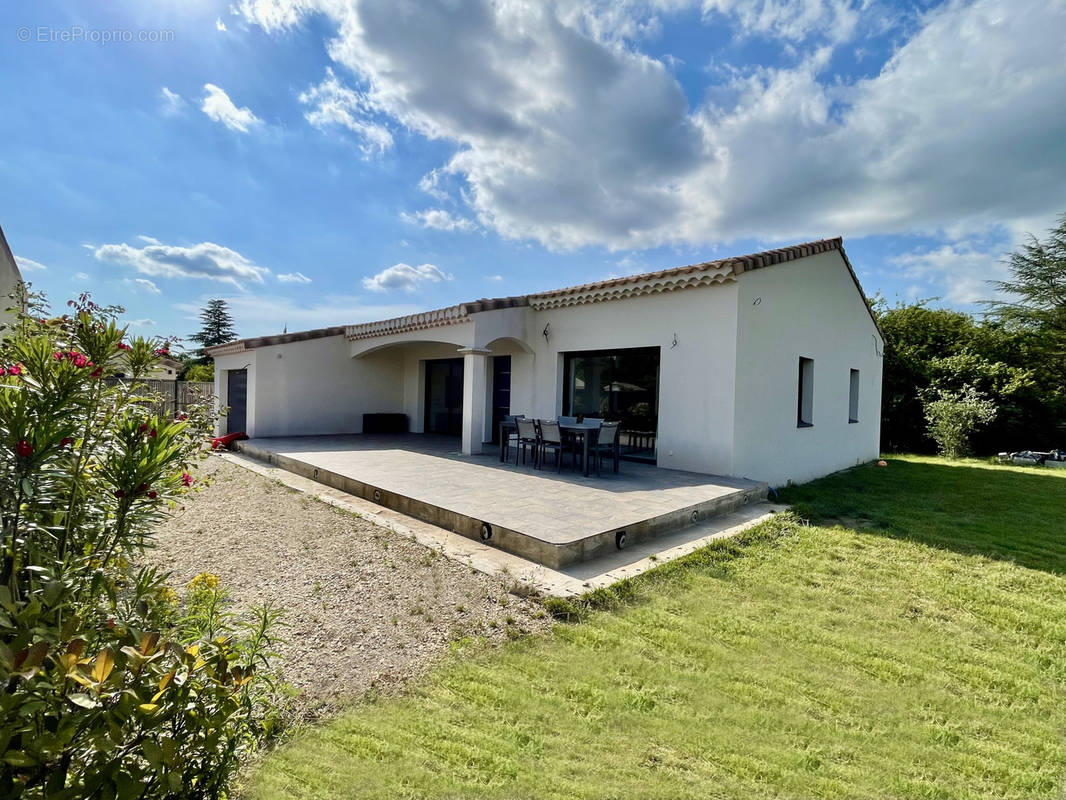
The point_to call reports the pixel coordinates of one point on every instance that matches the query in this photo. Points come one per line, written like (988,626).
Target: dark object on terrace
(606,443)
(527,438)
(384,423)
(551,439)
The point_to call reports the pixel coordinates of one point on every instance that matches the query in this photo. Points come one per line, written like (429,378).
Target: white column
(475,400)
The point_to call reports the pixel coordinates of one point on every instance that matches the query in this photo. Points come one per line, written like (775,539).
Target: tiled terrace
(554,519)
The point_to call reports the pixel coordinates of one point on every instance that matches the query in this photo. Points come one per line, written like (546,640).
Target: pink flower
(124,346)
(13,370)
(162,351)
(57,356)
(25,449)
(78,359)
(186,478)
(96,373)
(66,440)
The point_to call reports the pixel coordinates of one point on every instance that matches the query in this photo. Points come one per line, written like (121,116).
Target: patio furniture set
(589,440)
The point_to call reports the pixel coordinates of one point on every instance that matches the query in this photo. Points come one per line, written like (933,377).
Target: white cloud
(142,323)
(29,265)
(80,276)
(143,284)
(566,133)
(334,105)
(405,277)
(218,106)
(439,219)
(793,20)
(206,260)
(293,277)
(959,272)
(494,278)
(220,25)
(172,103)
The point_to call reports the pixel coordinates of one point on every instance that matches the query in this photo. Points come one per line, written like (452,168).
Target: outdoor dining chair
(606,443)
(550,439)
(527,440)
(511,436)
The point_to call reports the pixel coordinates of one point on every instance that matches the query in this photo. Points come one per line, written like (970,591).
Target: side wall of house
(695,374)
(314,387)
(811,309)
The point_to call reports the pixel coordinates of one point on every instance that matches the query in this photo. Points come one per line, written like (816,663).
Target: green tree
(199,372)
(216,325)
(109,691)
(1037,295)
(945,349)
(954,415)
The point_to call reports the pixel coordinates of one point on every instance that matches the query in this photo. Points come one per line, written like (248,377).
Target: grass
(911,643)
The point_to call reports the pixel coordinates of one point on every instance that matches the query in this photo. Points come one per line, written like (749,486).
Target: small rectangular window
(805,404)
(853,397)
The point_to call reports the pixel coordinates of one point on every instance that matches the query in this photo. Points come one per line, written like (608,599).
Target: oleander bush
(110,689)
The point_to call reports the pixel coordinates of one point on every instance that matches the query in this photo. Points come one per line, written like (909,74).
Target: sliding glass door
(444,396)
(621,385)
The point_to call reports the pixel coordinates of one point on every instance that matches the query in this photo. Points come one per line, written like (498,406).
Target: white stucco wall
(695,378)
(10,278)
(809,308)
(313,387)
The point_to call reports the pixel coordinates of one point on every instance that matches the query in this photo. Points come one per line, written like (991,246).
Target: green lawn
(910,643)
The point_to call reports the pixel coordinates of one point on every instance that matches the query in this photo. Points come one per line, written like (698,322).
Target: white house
(10,279)
(766,366)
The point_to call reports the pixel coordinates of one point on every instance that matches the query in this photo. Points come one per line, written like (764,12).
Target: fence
(175,396)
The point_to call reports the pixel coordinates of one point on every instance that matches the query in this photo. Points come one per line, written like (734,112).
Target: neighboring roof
(702,274)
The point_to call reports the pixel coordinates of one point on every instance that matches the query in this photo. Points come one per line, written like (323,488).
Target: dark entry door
(237,398)
(501,393)
(444,396)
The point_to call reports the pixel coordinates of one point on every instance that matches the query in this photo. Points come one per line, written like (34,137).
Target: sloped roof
(703,274)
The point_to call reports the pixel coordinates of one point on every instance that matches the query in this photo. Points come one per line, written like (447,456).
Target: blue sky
(322,162)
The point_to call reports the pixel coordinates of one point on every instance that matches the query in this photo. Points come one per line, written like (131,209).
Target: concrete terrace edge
(493,561)
(553,555)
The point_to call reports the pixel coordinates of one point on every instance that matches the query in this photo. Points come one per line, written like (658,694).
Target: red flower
(13,370)
(151,434)
(186,478)
(96,373)
(57,356)
(152,495)
(119,494)
(124,346)
(162,351)
(78,359)
(182,417)
(143,428)
(66,440)
(25,449)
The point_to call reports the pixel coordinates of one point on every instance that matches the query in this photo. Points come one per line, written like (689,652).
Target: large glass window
(620,385)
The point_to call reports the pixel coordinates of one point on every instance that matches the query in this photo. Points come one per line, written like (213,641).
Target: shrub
(109,691)
(954,415)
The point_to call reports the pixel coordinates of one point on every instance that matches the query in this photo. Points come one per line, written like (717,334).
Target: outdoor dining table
(587,431)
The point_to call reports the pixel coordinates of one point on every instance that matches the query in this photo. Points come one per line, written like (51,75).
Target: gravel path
(364,606)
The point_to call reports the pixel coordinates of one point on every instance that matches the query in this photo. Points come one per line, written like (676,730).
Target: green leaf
(84,700)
